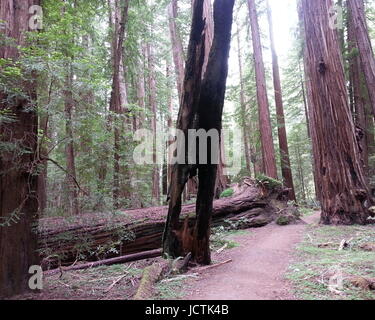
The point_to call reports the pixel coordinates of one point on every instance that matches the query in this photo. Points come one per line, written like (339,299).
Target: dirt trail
(258,267)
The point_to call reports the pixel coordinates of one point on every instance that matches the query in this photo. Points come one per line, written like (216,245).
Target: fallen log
(94,236)
(151,275)
(108,262)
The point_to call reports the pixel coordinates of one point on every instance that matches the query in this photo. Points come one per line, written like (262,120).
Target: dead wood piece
(368,246)
(182,264)
(222,248)
(181,277)
(327,245)
(107,262)
(151,275)
(213,266)
(115,282)
(362,282)
(344,244)
(246,209)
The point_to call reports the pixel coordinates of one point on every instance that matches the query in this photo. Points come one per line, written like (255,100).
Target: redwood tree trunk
(18,178)
(243,104)
(153,106)
(358,16)
(119,14)
(268,149)
(344,194)
(283,140)
(177,48)
(359,93)
(210,117)
(72,195)
(172,244)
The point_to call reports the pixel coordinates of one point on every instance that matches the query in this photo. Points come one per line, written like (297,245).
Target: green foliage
(268,182)
(227,193)
(283,220)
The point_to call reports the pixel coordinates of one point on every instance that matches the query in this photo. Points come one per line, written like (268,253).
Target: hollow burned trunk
(210,117)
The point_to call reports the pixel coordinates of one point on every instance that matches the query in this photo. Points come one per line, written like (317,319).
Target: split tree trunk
(268,149)
(172,245)
(18,178)
(344,194)
(210,113)
(283,140)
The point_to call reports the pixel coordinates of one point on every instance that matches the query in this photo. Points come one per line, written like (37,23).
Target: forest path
(258,267)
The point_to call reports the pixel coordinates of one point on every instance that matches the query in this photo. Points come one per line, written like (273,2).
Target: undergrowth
(318,262)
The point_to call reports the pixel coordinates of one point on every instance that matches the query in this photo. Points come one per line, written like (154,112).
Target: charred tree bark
(283,140)
(268,149)
(358,16)
(209,33)
(18,178)
(172,245)
(210,117)
(344,194)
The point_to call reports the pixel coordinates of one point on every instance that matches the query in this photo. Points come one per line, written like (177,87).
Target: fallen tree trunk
(93,237)
(108,262)
(150,276)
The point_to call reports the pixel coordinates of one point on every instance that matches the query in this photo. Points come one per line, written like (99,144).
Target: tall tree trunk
(268,149)
(300,171)
(172,244)
(18,181)
(344,193)
(72,195)
(305,107)
(43,150)
(359,93)
(243,103)
(283,140)
(208,31)
(153,106)
(177,48)
(119,15)
(222,180)
(210,117)
(358,16)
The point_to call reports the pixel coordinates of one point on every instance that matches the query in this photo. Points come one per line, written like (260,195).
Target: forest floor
(293,262)
(268,263)
(259,264)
